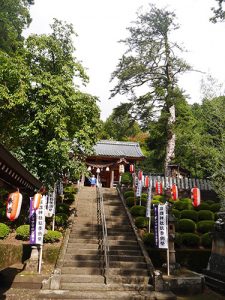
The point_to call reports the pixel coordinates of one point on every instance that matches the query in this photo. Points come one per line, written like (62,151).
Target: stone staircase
(81,273)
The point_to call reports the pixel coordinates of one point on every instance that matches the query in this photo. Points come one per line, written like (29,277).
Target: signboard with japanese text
(139,188)
(161,226)
(50,204)
(37,222)
(149,200)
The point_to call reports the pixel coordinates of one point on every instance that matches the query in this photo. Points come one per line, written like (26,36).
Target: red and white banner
(158,188)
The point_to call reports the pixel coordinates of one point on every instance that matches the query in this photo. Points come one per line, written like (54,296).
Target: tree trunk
(171,140)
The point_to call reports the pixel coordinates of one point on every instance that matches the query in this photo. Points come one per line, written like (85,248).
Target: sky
(100,24)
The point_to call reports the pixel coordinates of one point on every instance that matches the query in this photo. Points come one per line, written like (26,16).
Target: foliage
(215,207)
(4,230)
(205,226)
(205,215)
(182,205)
(189,214)
(23,232)
(160,198)
(70,189)
(61,219)
(178,239)
(148,239)
(62,208)
(138,210)
(186,225)
(126,178)
(206,240)
(155,202)
(203,206)
(141,222)
(190,239)
(52,236)
(176,213)
(128,194)
(130,201)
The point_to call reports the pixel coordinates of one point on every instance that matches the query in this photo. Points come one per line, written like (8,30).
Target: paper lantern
(146,182)
(131,168)
(14,205)
(195,196)
(140,174)
(174,192)
(37,200)
(158,188)
(121,169)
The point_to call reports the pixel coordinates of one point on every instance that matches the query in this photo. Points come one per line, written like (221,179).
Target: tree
(54,118)
(151,64)
(219,14)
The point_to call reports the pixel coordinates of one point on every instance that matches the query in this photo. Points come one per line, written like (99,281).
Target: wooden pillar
(112,178)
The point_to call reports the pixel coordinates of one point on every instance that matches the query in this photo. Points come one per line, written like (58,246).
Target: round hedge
(138,211)
(189,214)
(181,205)
(130,201)
(178,239)
(205,215)
(210,202)
(62,208)
(61,219)
(215,207)
(206,240)
(155,202)
(52,236)
(128,194)
(126,178)
(23,232)
(144,196)
(205,226)
(70,189)
(4,230)
(160,198)
(186,225)
(148,239)
(141,222)
(203,206)
(190,239)
(176,213)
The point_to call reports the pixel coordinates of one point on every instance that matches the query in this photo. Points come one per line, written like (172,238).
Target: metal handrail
(105,243)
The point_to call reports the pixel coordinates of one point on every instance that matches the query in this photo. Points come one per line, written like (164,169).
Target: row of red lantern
(14,204)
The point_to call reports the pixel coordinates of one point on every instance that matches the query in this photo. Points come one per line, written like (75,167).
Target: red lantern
(146,183)
(140,174)
(195,196)
(158,187)
(37,200)
(131,168)
(174,192)
(14,205)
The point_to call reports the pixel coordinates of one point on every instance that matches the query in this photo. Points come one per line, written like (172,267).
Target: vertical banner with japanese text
(161,226)
(149,200)
(37,222)
(50,204)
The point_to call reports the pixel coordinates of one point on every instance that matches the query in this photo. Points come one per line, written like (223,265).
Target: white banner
(139,188)
(37,222)
(50,204)
(163,226)
(149,199)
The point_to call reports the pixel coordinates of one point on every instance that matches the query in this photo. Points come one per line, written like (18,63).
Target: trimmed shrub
(128,194)
(190,239)
(205,226)
(130,201)
(70,189)
(181,205)
(205,215)
(144,196)
(160,198)
(61,219)
(186,225)
(206,240)
(62,208)
(155,202)
(203,206)
(126,178)
(23,232)
(176,213)
(148,239)
(141,222)
(2,212)
(189,214)
(215,207)
(138,211)
(187,200)
(69,197)
(4,230)
(143,200)
(52,236)
(177,239)
(210,202)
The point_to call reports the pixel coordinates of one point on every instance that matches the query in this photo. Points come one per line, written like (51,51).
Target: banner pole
(149,224)
(168,248)
(40,259)
(53,223)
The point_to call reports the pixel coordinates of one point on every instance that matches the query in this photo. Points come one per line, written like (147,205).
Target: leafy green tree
(148,71)
(219,13)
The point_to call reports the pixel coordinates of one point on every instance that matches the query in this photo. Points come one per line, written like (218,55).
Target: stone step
(82,257)
(123,237)
(77,251)
(128,271)
(83,241)
(83,235)
(125,252)
(81,271)
(82,263)
(126,258)
(82,278)
(131,243)
(137,280)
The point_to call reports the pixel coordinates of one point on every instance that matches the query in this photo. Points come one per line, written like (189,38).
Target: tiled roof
(118,149)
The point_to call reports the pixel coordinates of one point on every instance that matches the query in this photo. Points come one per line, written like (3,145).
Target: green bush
(176,213)
(215,207)
(205,215)
(160,198)
(181,205)
(178,239)
(144,196)
(206,240)
(187,200)
(128,194)
(186,225)
(23,232)
(210,202)
(130,201)
(190,239)
(61,219)
(2,212)
(62,208)
(189,214)
(138,211)
(52,236)
(205,226)
(126,178)
(70,189)
(69,197)
(148,239)
(4,230)
(155,202)
(141,222)
(203,206)
(143,200)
